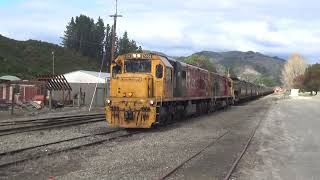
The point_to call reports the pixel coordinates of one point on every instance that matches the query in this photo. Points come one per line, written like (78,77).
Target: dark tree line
(310,80)
(92,39)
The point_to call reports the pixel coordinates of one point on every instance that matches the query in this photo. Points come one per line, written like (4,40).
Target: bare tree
(294,67)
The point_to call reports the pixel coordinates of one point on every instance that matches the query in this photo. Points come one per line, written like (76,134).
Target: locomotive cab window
(116,70)
(159,71)
(137,66)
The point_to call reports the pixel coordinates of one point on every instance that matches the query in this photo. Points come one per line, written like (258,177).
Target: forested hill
(26,59)
(252,66)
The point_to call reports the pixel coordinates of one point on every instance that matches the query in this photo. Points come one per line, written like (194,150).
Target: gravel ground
(150,154)
(286,146)
(27,139)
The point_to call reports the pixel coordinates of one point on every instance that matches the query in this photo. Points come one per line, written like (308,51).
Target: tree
(125,45)
(201,61)
(99,35)
(298,82)
(295,67)
(265,81)
(67,41)
(92,39)
(312,78)
(108,46)
(83,35)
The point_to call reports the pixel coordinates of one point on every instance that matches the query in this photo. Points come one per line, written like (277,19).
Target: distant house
(27,90)
(83,84)
(5,87)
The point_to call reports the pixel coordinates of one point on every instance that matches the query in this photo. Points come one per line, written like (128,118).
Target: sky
(180,27)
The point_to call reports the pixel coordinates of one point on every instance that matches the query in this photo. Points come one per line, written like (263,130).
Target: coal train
(148,89)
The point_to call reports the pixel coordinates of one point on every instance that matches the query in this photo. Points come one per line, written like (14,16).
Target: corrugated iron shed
(9,78)
(82,76)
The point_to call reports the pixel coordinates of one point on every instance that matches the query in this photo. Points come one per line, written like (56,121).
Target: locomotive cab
(138,82)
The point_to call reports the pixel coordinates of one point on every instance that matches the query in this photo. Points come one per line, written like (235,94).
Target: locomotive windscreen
(137,66)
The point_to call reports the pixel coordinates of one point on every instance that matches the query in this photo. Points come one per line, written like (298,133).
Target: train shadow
(179,122)
(193,118)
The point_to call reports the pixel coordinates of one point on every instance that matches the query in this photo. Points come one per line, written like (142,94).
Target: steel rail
(52,143)
(4,165)
(68,123)
(169,173)
(48,122)
(236,162)
(8,123)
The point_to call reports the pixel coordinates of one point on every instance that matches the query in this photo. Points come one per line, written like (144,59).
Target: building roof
(9,78)
(82,76)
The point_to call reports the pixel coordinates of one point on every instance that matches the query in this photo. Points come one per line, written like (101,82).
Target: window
(184,74)
(116,70)
(159,71)
(137,66)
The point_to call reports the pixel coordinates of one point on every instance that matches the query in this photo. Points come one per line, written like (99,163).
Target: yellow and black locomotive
(147,89)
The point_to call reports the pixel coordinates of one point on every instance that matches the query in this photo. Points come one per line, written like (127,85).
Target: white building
(84,84)
(87,77)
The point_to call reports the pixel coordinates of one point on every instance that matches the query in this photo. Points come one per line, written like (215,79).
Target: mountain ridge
(250,66)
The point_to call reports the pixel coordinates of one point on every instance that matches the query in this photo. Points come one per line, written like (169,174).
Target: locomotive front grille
(128,115)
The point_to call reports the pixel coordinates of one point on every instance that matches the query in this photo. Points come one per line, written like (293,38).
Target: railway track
(31,153)
(19,122)
(235,163)
(15,127)
(170,172)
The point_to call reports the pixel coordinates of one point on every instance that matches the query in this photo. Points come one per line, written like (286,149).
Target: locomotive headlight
(108,101)
(151,102)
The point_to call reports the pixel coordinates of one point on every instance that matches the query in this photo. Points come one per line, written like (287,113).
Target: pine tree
(126,45)
(85,36)
(99,37)
(69,35)
(312,78)
(108,45)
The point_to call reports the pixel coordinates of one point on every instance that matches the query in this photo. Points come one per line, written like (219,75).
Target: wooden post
(79,97)
(50,100)
(12,99)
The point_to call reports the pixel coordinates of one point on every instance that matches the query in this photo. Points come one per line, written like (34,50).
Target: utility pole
(114,29)
(52,62)
(50,92)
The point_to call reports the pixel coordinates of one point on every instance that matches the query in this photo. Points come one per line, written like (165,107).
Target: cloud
(179,27)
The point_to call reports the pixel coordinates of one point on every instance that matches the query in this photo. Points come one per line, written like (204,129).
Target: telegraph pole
(114,29)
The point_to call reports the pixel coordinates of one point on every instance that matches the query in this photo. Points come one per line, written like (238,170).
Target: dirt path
(287,145)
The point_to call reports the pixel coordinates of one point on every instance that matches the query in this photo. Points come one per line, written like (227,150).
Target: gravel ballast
(147,155)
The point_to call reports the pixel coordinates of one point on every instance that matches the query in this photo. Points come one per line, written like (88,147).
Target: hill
(252,66)
(27,59)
